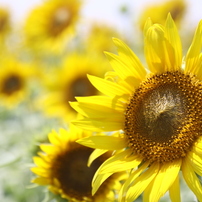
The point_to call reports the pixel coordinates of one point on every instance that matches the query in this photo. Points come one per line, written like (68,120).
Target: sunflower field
(100,101)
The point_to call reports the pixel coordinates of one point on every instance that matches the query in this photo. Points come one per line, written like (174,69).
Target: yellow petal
(49,149)
(166,176)
(131,179)
(98,179)
(141,182)
(66,136)
(110,88)
(174,39)
(54,138)
(174,191)
(41,181)
(158,51)
(41,162)
(103,124)
(103,100)
(132,61)
(120,162)
(125,71)
(44,156)
(95,154)
(191,179)
(192,60)
(103,142)
(147,25)
(197,148)
(40,171)
(98,111)
(196,162)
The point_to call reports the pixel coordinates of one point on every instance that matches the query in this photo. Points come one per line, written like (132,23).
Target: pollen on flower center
(164,115)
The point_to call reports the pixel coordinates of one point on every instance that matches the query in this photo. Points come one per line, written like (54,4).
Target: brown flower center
(4,21)
(177,11)
(60,21)
(75,177)
(79,87)
(11,84)
(163,117)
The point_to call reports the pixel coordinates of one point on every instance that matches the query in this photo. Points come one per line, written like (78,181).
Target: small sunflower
(62,166)
(158,112)
(51,23)
(99,36)
(64,83)
(158,12)
(14,77)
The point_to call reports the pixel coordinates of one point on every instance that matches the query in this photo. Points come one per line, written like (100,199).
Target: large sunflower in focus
(68,81)
(14,79)
(158,111)
(62,166)
(50,24)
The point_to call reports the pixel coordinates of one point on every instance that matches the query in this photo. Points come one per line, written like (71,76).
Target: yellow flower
(50,24)
(62,166)
(158,110)
(64,83)
(14,79)
(158,12)
(99,38)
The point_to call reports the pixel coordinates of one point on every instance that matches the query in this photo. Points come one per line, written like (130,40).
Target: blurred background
(46,52)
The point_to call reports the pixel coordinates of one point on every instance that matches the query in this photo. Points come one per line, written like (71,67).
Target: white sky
(100,9)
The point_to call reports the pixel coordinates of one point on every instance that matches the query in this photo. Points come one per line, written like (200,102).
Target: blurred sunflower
(158,13)
(50,24)
(62,166)
(64,83)
(14,77)
(99,38)
(159,112)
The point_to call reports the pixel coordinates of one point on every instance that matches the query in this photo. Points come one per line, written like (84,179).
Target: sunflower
(62,166)
(99,36)
(14,79)
(158,112)
(51,23)
(158,12)
(68,81)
